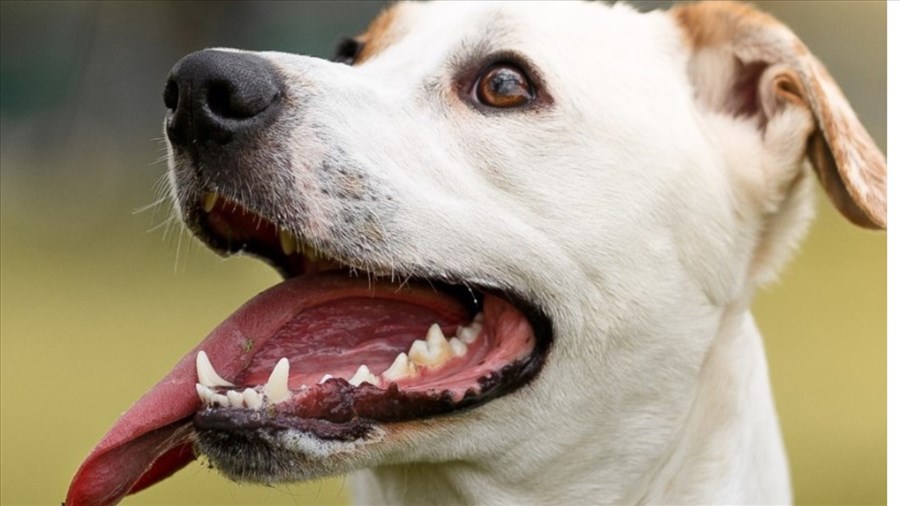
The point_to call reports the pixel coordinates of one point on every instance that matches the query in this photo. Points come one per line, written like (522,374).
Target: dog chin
(265,455)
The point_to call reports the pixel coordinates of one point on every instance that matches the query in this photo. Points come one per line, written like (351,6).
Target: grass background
(94,308)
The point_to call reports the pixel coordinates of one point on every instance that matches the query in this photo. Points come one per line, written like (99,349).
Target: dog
(519,243)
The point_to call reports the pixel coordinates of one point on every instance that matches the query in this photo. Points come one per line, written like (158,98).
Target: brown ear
(738,44)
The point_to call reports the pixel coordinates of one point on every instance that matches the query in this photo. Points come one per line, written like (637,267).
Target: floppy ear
(746,63)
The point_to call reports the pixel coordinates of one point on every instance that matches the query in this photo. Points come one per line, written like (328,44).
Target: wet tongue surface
(150,441)
(336,338)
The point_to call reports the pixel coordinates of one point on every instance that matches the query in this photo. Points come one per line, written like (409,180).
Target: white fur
(640,217)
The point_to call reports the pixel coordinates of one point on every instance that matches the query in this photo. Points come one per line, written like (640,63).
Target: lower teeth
(432,352)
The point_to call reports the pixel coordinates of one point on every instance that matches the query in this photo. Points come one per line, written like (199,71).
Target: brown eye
(504,85)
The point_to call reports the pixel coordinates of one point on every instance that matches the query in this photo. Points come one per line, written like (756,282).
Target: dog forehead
(438,31)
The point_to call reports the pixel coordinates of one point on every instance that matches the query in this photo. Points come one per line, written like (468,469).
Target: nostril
(230,100)
(170,94)
(218,96)
(224,102)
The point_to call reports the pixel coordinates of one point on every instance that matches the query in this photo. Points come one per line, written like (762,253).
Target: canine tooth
(209,201)
(288,244)
(458,347)
(205,394)
(207,375)
(363,375)
(325,377)
(467,335)
(235,399)
(277,387)
(401,368)
(252,398)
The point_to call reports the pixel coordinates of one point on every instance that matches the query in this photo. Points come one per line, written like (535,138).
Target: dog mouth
(332,352)
(352,348)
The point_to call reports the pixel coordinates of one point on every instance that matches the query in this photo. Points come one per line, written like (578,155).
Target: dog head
(574,193)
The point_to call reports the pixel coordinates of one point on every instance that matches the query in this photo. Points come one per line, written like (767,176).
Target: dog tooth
(468,335)
(309,252)
(458,347)
(207,375)
(401,368)
(205,393)
(252,398)
(432,352)
(363,375)
(235,399)
(418,352)
(220,400)
(435,338)
(277,387)
(209,201)
(438,345)
(288,244)
(325,377)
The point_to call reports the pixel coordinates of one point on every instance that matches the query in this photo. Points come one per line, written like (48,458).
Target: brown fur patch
(714,23)
(381,33)
(850,166)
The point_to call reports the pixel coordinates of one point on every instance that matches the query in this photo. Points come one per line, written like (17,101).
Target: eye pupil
(504,85)
(505,82)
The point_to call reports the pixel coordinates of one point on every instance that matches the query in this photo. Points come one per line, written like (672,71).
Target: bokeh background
(102,292)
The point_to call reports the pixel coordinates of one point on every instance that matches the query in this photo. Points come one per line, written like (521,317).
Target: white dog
(520,241)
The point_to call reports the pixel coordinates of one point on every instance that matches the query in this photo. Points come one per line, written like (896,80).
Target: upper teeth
(288,243)
(209,201)
(431,352)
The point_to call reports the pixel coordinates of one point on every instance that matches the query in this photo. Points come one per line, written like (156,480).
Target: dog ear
(746,63)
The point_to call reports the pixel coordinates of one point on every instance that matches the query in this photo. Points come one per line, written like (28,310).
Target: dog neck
(728,449)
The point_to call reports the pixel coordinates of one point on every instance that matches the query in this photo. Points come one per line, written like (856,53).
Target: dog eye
(347,51)
(504,85)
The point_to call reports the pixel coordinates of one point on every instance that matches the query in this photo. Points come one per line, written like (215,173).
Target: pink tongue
(152,439)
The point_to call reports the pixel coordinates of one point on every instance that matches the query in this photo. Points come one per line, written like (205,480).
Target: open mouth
(330,352)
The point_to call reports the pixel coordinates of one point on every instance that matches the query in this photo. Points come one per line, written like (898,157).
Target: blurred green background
(99,297)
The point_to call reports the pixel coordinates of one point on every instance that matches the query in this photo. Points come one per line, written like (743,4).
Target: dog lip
(247,421)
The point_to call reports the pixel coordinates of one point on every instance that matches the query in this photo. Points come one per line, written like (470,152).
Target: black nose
(218,96)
